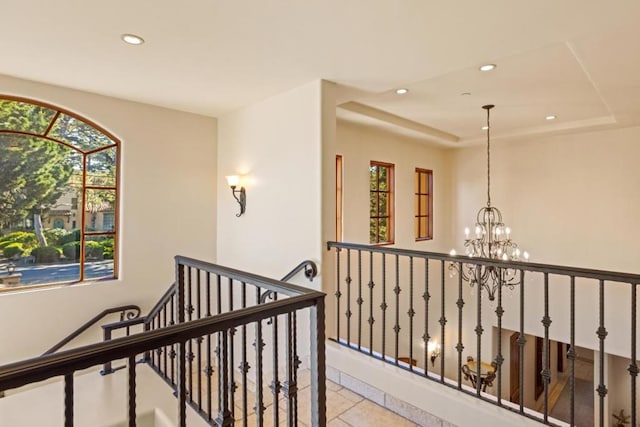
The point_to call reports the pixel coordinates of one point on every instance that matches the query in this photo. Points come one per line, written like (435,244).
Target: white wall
(168,202)
(570,200)
(277,145)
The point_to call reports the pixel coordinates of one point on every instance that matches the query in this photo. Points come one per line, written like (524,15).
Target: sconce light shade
(240,195)
(433,349)
(233,180)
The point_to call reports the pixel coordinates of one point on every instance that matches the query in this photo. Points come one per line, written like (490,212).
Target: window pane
(79,134)
(99,210)
(373,177)
(383,205)
(373,230)
(383,230)
(416,182)
(373,204)
(383,178)
(416,205)
(416,223)
(424,187)
(101,168)
(98,256)
(424,226)
(424,206)
(21,116)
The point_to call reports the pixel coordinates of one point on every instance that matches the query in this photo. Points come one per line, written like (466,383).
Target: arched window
(58,194)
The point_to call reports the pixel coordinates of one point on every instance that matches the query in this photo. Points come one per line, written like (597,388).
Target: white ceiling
(577,59)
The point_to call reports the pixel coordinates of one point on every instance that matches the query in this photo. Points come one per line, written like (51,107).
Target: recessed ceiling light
(465,93)
(550,117)
(485,127)
(487,67)
(402,91)
(132,39)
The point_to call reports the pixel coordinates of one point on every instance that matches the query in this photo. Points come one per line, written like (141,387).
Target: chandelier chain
(488,161)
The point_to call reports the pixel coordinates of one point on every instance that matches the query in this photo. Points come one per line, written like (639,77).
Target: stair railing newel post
(181,362)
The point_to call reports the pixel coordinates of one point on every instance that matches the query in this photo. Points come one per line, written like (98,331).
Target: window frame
(390,215)
(418,214)
(339,197)
(116,145)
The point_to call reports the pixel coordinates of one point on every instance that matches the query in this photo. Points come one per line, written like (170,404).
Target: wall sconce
(239,195)
(433,349)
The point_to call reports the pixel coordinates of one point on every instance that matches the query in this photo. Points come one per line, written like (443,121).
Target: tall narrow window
(423,204)
(58,194)
(381,203)
(338,198)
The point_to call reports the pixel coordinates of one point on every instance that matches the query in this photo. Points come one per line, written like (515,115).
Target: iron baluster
(244,365)
(209,368)
(371,319)
(443,321)
(460,346)
(521,342)
(499,359)
(68,400)
(182,389)
(426,297)
(275,384)
(338,295)
(172,354)
(383,305)
(296,361)
(359,301)
(132,392)
(633,366)
(397,328)
(224,414)
(571,354)
(259,346)
(602,334)
(166,348)
(290,387)
(190,354)
(411,313)
(231,347)
(199,339)
(479,331)
(348,281)
(546,372)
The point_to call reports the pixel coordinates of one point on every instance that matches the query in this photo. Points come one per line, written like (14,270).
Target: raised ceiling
(576,59)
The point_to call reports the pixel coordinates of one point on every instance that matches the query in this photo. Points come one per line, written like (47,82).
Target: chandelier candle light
(491,239)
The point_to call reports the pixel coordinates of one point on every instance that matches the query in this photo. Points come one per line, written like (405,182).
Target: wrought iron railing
(388,299)
(211,304)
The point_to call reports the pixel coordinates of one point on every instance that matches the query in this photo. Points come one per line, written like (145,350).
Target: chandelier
(491,239)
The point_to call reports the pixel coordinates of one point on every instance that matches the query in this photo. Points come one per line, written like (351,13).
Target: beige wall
(168,160)
(570,200)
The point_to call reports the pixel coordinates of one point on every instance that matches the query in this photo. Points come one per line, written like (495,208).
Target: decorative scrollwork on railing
(132,312)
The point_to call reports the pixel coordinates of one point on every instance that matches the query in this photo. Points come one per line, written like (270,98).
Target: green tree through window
(54,161)
(381,203)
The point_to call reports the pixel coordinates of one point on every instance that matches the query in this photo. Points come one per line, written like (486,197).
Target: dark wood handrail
(134,312)
(612,276)
(66,362)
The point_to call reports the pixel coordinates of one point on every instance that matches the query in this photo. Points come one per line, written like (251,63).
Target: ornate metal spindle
(460,346)
(384,305)
(359,301)
(275,384)
(132,392)
(397,328)
(199,339)
(232,361)
(209,368)
(633,366)
(290,388)
(296,362)
(190,355)
(318,380)
(521,342)
(443,321)
(479,331)
(546,371)
(426,296)
(371,319)
(602,334)
(259,345)
(68,400)
(499,359)
(182,386)
(172,352)
(348,312)
(181,362)
(224,414)
(571,354)
(166,348)
(411,313)
(244,365)
(338,294)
